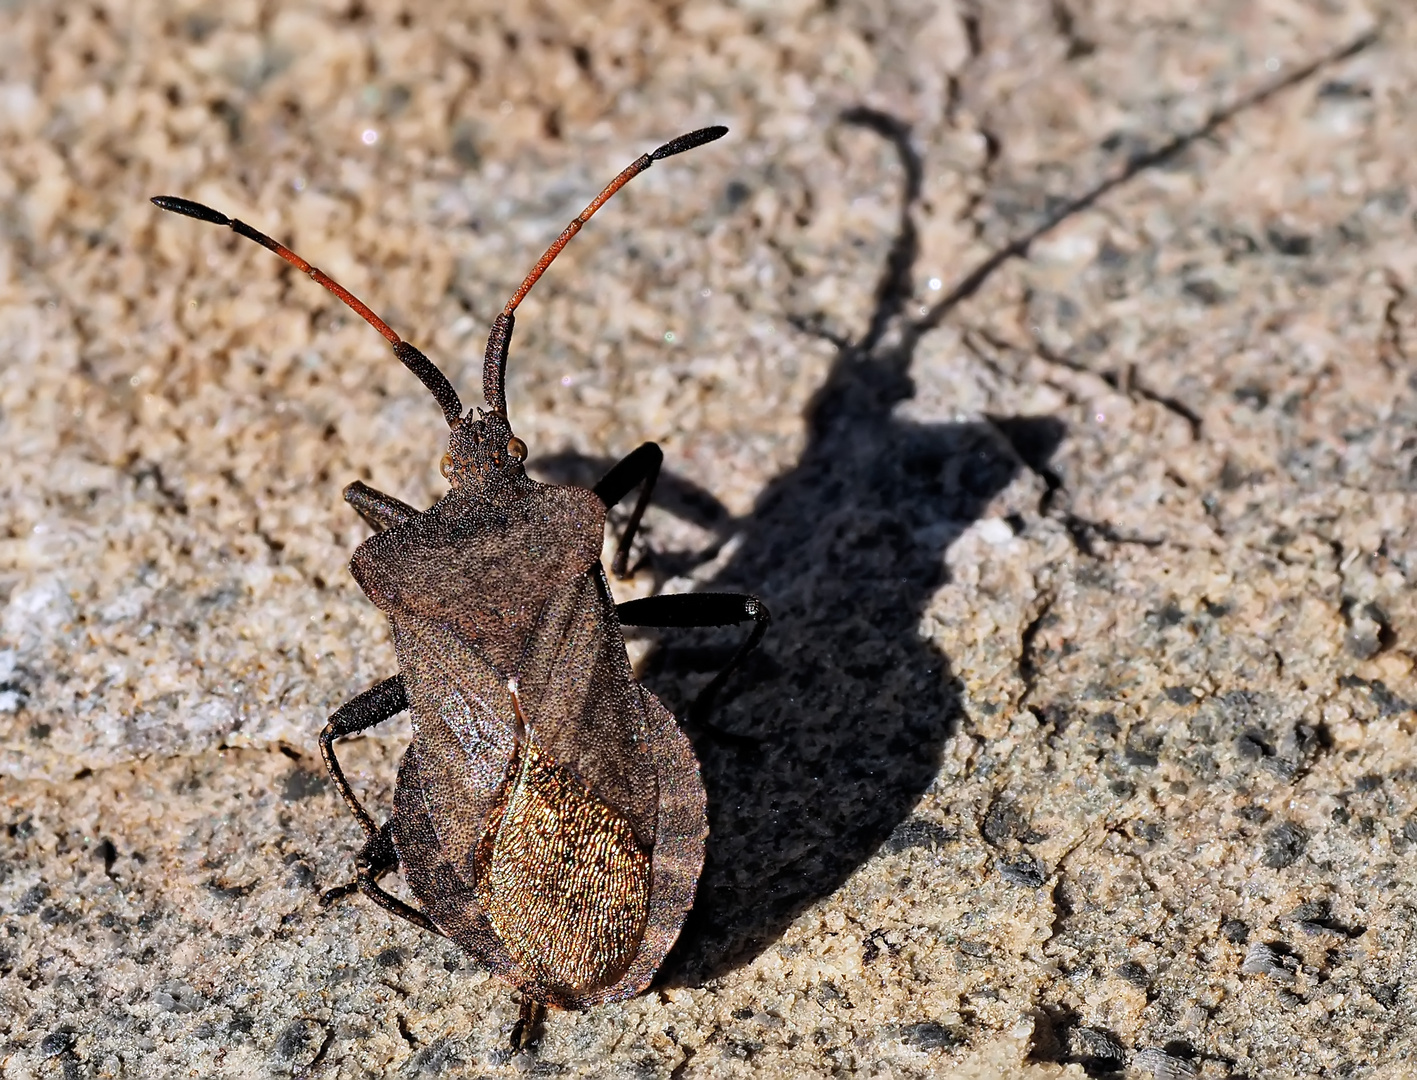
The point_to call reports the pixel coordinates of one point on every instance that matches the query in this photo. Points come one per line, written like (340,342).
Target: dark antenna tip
(188,208)
(689,141)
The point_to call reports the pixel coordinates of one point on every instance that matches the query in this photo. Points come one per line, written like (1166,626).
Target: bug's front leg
(702,609)
(377,857)
(380,510)
(640,466)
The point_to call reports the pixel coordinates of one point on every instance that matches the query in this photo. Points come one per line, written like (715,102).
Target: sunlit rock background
(1045,365)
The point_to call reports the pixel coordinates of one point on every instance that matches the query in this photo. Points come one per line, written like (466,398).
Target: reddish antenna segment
(499,337)
(436,382)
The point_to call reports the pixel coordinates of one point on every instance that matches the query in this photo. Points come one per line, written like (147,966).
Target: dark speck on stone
(1284,844)
(1287,242)
(736,194)
(1386,995)
(1163,1065)
(915,832)
(301,784)
(1022,870)
(56,1043)
(438,1057)
(1133,973)
(240,1023)
(31,899)
(1204,290)
(301,876)
(1251,746)
(1002,821)
(1097,1049)
(1363,642)
(1266,959)
(928,1036)
(389,958)
(744,1013)
(1180,695)
(1234,931)
(1106,724)
(1170,615)
(296,1039)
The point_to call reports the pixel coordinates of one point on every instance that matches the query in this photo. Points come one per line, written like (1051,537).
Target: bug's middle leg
(702,609)
(640,466)
(377,857)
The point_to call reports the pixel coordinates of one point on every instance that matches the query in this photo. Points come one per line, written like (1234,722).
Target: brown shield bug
(549,815)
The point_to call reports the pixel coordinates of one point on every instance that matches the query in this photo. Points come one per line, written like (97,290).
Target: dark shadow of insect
(549,812)
(837,727)
(841,717)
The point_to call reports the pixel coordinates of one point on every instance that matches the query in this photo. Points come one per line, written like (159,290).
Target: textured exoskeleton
(549,812)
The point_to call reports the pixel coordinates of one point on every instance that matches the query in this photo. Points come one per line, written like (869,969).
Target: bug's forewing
(450,898)
(584,710)
(446,894)
(479,592)
(464,734)
(680,834)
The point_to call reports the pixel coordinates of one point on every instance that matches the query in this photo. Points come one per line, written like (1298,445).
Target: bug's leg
(377,857)
(527,1030)
(702,609)
(377,704)
(380,510)
(640,466)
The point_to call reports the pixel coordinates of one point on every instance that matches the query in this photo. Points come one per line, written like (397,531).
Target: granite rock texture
(1047,366)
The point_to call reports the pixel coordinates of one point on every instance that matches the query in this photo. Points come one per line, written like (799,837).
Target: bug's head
(482,449)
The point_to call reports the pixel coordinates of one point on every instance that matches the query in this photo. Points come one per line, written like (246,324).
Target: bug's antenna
(494,366)
(415,361)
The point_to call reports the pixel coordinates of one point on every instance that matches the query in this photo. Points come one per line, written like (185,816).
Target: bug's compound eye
(516,449)
(446,466)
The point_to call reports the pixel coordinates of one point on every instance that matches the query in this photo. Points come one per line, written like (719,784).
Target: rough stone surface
(1046,365)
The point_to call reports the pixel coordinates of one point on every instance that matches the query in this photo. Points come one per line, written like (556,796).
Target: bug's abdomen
(563,881)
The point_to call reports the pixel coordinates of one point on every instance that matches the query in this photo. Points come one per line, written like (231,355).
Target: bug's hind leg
(380,510)
(702,609)
(377,857)
(526,1033)
(640,466)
